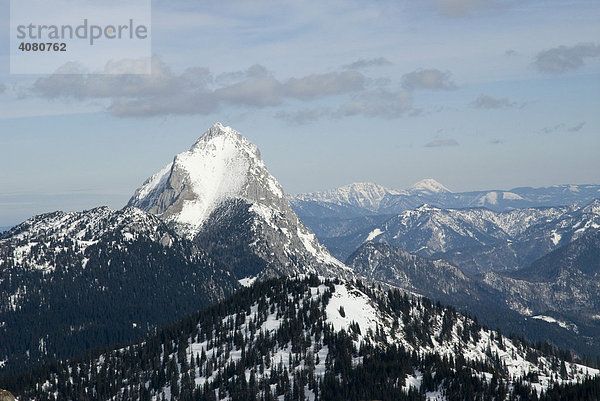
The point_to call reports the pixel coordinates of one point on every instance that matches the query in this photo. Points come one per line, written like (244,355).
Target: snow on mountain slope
(29,242)
(430,230)
(221,194)
(593,208)
(572,294)
(493,198)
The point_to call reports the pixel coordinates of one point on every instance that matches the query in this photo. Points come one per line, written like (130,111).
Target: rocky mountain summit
(221,195)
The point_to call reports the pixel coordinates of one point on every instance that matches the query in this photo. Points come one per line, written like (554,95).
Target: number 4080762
(42,47)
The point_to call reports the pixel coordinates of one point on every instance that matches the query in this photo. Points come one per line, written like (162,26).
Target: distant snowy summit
(428,185)
(362,194)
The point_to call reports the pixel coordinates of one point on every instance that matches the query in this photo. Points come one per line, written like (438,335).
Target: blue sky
(477,94)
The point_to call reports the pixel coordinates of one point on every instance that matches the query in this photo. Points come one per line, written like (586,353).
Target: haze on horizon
(477,94)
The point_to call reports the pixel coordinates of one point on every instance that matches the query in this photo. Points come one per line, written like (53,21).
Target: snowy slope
(476,239)
(34,243)
(562,285)
(436,279)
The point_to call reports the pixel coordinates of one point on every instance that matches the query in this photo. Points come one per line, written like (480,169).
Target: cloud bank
(347,92)
(195,90)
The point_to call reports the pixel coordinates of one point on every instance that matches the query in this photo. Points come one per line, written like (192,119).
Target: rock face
(221,195)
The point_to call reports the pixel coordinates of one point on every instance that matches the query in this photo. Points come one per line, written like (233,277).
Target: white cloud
(79,84)
(330,84)
(256,92)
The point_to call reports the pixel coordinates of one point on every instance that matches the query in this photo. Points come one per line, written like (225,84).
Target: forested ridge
(288,338)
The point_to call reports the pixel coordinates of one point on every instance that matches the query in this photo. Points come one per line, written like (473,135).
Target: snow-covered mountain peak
(221,165)
(428,185)
(221,195)
(226,134)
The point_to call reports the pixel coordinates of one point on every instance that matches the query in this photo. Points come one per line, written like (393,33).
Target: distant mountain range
(362,199)
(479,231)
(477,240)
